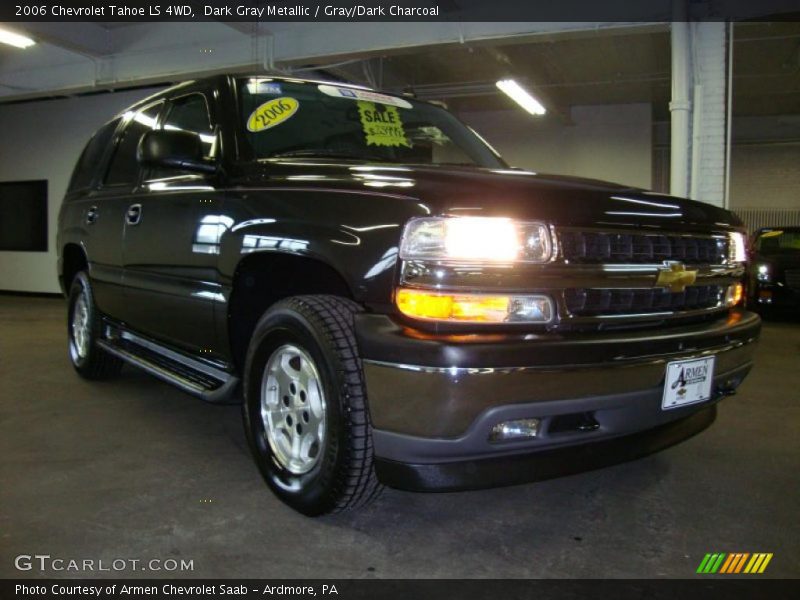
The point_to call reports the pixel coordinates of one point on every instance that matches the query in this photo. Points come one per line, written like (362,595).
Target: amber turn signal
(734,295)
(474,308)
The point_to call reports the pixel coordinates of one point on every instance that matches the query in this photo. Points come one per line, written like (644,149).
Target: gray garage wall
(765,169)
(765,175)
(42,140)
(765,159)
(610,142)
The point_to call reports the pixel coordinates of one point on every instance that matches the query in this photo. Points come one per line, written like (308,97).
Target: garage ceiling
(78,57)
(766,69)
(608,67)
(570,69)
(566,64)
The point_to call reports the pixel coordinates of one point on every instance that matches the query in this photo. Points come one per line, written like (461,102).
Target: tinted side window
(92,154)
(190,113)
(124,168)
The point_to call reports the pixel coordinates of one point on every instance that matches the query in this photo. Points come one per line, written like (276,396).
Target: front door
(172,231)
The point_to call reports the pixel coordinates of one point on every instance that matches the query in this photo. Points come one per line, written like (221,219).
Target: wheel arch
(73,261)
(254,290)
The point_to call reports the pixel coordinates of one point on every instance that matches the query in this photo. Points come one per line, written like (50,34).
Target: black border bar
(267,11)
(740,587)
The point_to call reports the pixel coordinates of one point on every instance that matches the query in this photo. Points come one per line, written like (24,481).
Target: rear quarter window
(124,168)
(91,158)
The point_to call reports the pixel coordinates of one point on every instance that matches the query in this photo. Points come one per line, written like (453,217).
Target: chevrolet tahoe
(389,300)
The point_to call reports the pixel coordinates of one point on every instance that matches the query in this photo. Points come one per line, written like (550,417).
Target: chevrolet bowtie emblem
(675,276)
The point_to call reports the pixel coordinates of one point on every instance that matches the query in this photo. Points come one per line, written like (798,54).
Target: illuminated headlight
(491,239)
(762,273)
(738,248)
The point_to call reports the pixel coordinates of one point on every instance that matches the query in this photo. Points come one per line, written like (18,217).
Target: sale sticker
(272,113)
(382,126)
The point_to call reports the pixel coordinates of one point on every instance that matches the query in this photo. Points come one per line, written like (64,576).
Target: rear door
(172,232)
(105,212)
(96,221)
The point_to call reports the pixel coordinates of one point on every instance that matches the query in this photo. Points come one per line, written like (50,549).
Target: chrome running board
(193,376)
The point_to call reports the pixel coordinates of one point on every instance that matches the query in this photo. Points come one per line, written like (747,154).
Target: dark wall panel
(23,216)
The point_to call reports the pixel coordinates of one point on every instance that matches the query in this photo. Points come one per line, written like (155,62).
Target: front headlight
(762,272)
(491,239)
(738,248)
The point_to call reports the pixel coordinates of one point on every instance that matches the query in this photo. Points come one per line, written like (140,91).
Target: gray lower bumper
(544,464)
(441,402)
(615,415)
(438,414)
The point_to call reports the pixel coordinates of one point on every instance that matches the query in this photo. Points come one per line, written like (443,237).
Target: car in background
(775,268)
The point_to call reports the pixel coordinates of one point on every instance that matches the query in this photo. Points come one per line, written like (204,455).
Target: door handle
(91,215)
(134,214)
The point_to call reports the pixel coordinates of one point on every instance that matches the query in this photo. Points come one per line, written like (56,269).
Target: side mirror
(172,148)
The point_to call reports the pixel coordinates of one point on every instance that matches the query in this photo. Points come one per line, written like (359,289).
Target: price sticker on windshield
(382,126)
(272,113)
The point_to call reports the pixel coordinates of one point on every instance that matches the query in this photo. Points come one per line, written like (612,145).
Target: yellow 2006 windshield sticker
(272,113)
(382,126)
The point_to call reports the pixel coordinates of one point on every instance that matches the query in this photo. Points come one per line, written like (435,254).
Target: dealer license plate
(688,382)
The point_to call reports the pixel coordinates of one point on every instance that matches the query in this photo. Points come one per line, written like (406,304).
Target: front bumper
(435,398)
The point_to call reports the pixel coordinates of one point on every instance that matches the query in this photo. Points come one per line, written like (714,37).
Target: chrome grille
(631,248)
(589,302)
(793,279)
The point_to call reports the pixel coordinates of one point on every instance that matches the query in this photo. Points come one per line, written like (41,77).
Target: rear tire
(305,408)
(83,331)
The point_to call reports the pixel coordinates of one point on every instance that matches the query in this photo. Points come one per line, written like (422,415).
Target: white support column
(680,109)
(699,110)
(711,107)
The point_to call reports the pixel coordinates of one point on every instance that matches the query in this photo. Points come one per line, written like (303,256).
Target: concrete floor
(133,468)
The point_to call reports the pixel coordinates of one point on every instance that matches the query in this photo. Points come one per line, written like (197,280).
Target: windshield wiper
(326,153)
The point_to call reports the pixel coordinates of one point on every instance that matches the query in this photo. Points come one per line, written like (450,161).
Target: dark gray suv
(391,301)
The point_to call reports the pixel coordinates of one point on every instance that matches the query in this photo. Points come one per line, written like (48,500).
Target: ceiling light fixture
(521,96)
(15,39)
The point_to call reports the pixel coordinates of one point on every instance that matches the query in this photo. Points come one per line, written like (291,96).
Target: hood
(470,191)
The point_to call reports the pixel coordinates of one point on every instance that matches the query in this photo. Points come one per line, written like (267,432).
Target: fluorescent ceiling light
(15,39)
(519,95)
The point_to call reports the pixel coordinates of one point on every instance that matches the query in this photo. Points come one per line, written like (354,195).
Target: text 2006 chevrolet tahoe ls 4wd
(394,303)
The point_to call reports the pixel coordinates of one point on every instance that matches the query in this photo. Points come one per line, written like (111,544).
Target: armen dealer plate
(688,382)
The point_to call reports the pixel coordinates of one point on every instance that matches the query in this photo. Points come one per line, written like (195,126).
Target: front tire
(83,331)
(305,408)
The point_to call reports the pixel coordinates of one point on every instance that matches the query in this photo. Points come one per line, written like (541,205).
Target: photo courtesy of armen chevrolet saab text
(392,303)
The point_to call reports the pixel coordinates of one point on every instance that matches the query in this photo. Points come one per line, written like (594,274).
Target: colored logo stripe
(720,562)
(711,563)
(734,563)
(758,563)
(732,558)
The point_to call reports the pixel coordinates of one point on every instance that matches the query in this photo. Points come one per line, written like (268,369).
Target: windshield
(303,119)
(778,240)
